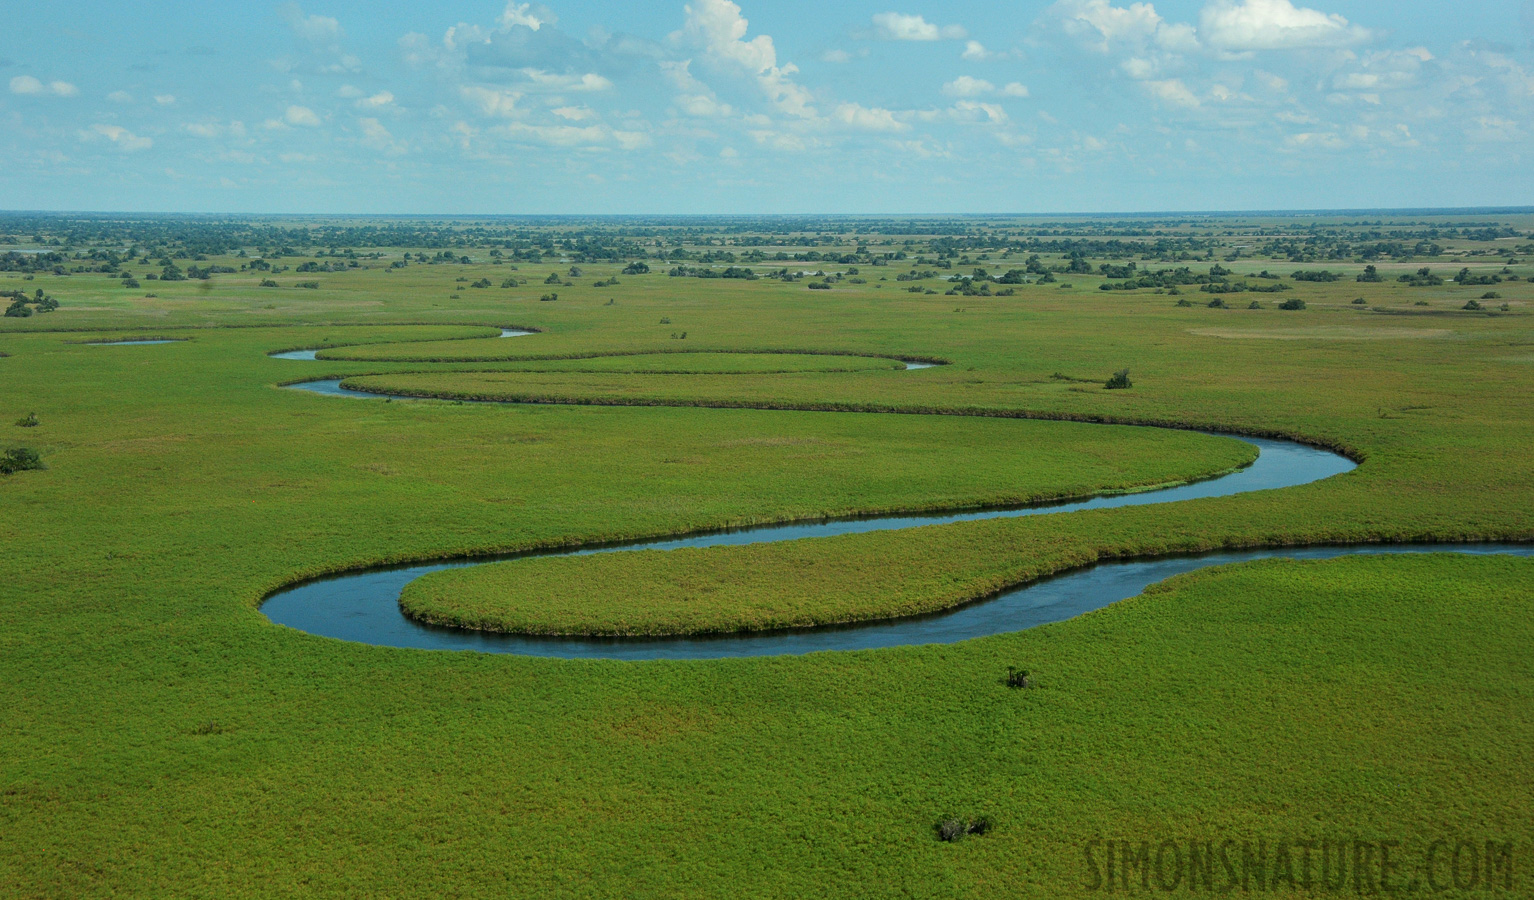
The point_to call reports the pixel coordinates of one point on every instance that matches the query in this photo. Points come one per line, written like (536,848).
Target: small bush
(20,459)
(1491,295)
(1473,305)
(267,282)
(1018,678)
(1254,305)
(1184,302)
(509,283)
(1217,303)
(953,829)
(208,728)
(549,298)
(1292,303)
(482,283)
(666,320)
(1359,301)
(552,279)
(27,421)
(1421,303)
(308,285)
(1119,381)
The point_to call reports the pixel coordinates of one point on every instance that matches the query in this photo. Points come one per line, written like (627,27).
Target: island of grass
(763,587)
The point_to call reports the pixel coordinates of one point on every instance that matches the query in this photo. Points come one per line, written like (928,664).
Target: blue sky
(709,106)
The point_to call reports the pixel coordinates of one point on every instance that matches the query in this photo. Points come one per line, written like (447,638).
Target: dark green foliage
(1371,275)
(482,283)
(1184,302)
(952,829)
(267,283)
(1018,678)
(308,285)
(27,421)
(1254,305)
(1359,301)
(1473,305)
(1321,276)
(1292,303)
(549,298)
(637,267)
(20,459)
(1119,381)
(553,279)
(1491,295)
(1218,303)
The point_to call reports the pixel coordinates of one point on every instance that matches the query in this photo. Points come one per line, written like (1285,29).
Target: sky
(753,107)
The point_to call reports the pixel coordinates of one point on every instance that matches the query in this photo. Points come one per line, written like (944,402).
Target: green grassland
(162,738)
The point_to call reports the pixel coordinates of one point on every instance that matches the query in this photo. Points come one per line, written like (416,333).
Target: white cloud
(526,15)
(719,29)
(492,102)
(301,116)
(377,101)
(120,97)
(868,119)
(575,113)
(349,92)
(314,29)
(123,138)
(1173,91)
(974,50)
(971,110)
(375,135)
(26,84)
(893,26)
(836,56)
(550,81)
(164,99)
(965,86)
(1274,25)
(203,129)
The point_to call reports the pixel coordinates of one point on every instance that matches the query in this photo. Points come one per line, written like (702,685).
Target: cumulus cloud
(314,29)
(375,135)
(301,117)
(492,102)
(125,140)
(27,85)
(1274,25)
(377,101)
(120,97)
(975,51)
(165,99)
(967,86)
(893,26)
(868,119)
(718,28)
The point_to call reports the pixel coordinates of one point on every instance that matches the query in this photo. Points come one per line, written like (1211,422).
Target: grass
(161,738)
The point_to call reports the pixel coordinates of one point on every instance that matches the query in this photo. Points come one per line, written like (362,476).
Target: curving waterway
(363,606)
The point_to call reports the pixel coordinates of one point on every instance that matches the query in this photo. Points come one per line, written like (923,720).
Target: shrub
(1119,381)
(1218,303)
(1184,302)
(131,283)
(666,320)
(1254,305)
(952,828)
(1359,301)
(1505,308)
(310,285)
(1473,305)
(509,283)
(267,282)
(819,286)
(482,283)
(20,459)
(552,279)
(548,298)
(1292,303)
(1491,295)
(1018,678)
(636,268)
(27,421)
